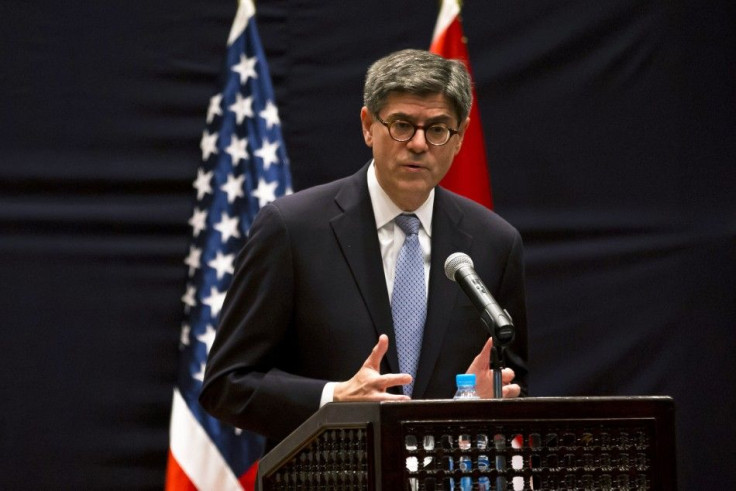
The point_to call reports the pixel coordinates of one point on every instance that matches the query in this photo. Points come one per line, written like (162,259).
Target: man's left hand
(481,367)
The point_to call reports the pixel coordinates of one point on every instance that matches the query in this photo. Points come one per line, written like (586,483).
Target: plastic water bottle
(465,386)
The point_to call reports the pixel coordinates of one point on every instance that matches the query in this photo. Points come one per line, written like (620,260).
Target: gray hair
(418,72)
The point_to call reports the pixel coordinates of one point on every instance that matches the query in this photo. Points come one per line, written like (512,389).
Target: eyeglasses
(436,134)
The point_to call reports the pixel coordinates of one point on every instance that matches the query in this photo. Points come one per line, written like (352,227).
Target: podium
(548,443)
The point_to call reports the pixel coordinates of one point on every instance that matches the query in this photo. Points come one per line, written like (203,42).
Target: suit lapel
(355,230)
(447,237)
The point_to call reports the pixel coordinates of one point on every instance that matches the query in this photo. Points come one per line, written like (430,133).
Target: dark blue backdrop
(610,128)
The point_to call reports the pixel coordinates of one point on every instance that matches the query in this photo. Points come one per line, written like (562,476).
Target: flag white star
(237,149)
(268,153)
(222,263)
(188,298)
(208,144)
(246,68)
(214,108)
(270,115)
(200,374)
(228,227)
(266,192)
(242,107)
(233,187)
(215,301)
(198,221)
(208,337)
(202,183)
(193,259)
(184,338)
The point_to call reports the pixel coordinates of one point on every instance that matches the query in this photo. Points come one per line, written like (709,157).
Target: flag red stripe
(176,478)
(248,479)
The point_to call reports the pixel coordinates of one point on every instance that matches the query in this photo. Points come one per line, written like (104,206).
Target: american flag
(244,166)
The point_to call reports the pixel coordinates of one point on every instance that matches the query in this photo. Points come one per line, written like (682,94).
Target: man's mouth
(412,165)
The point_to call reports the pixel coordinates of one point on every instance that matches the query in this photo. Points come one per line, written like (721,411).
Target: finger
(393,380)
(379,350)
(511,390)
(387,396)
(507,375)
(485,353)
(483,360)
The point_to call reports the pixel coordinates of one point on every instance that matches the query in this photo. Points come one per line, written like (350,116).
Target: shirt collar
(385,210)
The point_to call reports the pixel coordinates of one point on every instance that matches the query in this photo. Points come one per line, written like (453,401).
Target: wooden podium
(565,443)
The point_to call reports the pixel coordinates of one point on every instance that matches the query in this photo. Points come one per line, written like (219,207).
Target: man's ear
(461,134)
(366,121)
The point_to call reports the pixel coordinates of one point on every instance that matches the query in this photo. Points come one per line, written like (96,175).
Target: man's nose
(418,142)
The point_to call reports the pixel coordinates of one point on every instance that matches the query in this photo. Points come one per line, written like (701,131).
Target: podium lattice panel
(528,455)
(337,458)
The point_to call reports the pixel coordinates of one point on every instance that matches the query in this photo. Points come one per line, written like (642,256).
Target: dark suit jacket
(308,301)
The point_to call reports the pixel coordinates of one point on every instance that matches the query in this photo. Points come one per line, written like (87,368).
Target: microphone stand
(497,366)
(502,335)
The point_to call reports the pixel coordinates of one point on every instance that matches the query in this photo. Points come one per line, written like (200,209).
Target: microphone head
(454,262)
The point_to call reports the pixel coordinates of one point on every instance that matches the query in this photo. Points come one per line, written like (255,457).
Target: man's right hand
(368,384)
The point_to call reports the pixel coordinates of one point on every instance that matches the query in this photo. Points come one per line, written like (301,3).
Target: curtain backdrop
(611,141)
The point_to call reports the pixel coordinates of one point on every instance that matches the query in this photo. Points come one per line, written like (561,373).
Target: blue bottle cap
(465,379)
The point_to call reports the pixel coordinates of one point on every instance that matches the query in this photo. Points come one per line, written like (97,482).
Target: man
(311,297)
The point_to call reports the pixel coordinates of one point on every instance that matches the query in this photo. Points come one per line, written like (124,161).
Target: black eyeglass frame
(417,127)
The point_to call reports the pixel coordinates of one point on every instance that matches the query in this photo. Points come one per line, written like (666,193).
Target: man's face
(407,171)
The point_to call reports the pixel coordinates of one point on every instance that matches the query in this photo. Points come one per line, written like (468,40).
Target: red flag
(468,175)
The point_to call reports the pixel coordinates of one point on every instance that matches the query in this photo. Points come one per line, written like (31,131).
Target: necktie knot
(409,223)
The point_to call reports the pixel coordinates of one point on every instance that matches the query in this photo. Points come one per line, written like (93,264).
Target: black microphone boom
(459,268)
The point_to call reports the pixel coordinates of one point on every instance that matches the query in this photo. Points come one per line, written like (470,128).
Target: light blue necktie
(408,300)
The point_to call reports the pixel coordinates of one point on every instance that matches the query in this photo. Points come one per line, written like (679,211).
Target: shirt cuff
(328,393)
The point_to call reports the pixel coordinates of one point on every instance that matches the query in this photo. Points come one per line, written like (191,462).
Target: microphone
(459,268)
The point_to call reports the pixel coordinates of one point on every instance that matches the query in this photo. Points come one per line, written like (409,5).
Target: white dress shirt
(390,236)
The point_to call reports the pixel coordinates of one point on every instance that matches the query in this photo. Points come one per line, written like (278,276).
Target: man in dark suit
(311,297)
